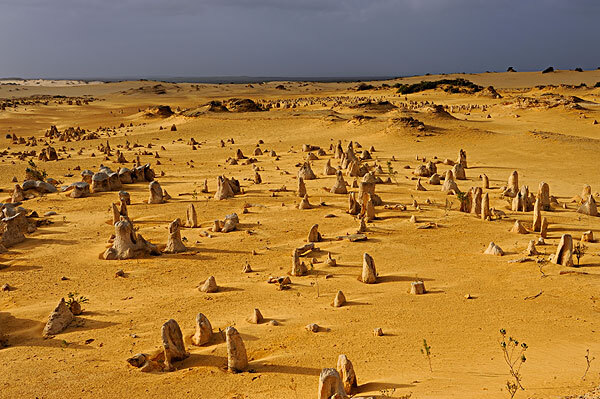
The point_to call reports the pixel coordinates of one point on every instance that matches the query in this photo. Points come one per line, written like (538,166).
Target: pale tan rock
(518,228)
(339,187)
(156,193)
(191,217)
(59,319)
(378,332)
(462,158)
(353,205)
(367,211)
(301,192)
(544,228)
(417,288)
(224,188)
(127,244)
(435,180)
(586,192)
(305,204)
(174,242)
(485,182)
(369,274)
(485,207)
(298,267)
(330,385)
(531,249)
(339,300)
(256,317)
(588,207)
(329,170)
(346,371)
(306,172)
(18,194)
(513,185)
(564,252)
(330,261)
(237,359)
(172,340)
(210,285)
(544,196)
(313,234)
(537,215)
(459,172)
(419,186)
(587,236)
(494,249)
(450,185)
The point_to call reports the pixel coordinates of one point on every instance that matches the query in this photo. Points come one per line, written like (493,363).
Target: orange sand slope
(546,133)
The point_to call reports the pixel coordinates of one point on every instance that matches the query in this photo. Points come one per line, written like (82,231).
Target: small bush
(548,70)
(364,86)
(597,84)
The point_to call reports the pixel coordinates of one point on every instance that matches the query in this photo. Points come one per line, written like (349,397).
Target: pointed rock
(210,285)
(301,192)
(369,274)
(174,242)
(518,228)
(494,249)
(564,252)
(59,319)
(237,359)
(173,345)
(339,300)
(192,217)
(256,317)
(330,385)
(346,371)
(313,234)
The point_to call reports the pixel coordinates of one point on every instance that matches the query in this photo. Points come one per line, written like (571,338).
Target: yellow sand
(124,315)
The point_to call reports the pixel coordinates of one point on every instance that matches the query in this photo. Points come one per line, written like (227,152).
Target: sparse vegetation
(426,351)
(364,86)
(588,361)
(75,301)
(514,356)
(448,85)
(33,172)
(579,250)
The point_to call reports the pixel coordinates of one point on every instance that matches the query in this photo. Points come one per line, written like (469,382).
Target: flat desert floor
(542,126)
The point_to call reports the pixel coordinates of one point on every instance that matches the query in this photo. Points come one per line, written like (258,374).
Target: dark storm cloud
(104,38)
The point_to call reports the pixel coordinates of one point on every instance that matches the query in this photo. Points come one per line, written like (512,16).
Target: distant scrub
(448,85)
(364,86)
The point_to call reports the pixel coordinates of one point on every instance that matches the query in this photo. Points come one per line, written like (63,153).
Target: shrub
(450,86)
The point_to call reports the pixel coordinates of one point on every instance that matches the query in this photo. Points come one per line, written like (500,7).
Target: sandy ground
(124,315)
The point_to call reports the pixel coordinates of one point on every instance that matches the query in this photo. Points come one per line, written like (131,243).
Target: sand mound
(243,105)
(405,122)
(439,112)
(381,106)
(489,92)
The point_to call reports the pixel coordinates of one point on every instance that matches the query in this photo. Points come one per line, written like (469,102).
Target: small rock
(378,332)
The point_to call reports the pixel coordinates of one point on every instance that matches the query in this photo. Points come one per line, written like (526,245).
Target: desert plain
(544,126)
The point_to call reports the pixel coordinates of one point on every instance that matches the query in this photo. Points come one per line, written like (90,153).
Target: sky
(301,38)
